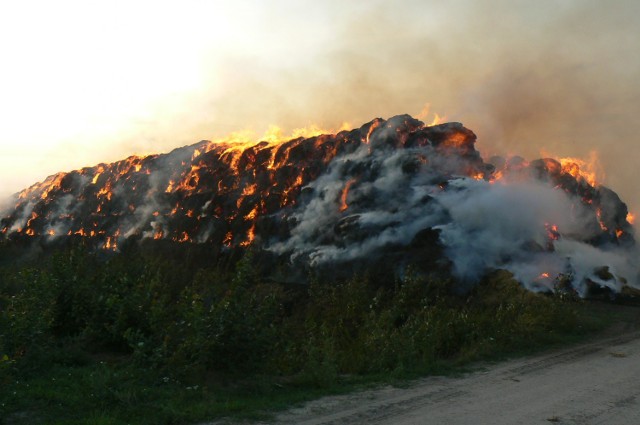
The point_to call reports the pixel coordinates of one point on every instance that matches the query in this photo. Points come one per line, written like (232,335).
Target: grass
(137,340)
(102,393)
(116,392)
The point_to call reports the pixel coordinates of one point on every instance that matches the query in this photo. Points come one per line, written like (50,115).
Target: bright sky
(83,82)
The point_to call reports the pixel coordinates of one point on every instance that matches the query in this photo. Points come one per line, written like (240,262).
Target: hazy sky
(83,82)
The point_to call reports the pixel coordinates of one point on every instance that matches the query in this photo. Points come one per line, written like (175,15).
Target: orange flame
(589,170)
(250,236)
(184,237)
(552,231)
(252,214)
(600,222)
(373,127)
(345,193)
(111,243)
(631,218)
(228,238)
(249,189)
(424,114)
(478,176)
(274,135)
(99,172)
(105,191)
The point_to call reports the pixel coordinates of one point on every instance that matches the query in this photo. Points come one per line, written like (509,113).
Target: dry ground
(593,383)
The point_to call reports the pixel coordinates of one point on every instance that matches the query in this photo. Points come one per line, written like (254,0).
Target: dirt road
(593,383)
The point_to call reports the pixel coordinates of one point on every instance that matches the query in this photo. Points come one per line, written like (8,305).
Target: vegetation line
(148,338)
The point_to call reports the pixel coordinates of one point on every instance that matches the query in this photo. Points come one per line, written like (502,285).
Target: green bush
(176,321)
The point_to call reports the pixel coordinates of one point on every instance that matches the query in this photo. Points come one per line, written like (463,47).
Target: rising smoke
(356,196)
(525,221)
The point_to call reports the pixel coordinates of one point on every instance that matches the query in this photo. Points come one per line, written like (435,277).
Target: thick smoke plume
(359,195)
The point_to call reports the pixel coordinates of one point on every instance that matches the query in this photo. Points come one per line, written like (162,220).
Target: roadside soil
(595,382)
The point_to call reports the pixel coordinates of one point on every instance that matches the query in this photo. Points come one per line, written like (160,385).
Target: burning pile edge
(394,190)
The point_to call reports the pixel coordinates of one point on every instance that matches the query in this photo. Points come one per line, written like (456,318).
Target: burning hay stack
(385,190)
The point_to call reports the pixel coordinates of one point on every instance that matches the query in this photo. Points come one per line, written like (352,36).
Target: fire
(274,135)
(252,214)
(287,191)
(251,234)
(240,182)
(99,172)
(228,239)
(457,140)
(552,231)
(373,127)
(111,243)
(345,193)
(588,170)
(50,184)
(189,182)
(105,191)
(426,111)
(249,189)
(184,237)
(478,176)
(600,222)
(496,176)
(33,217)
(631,218)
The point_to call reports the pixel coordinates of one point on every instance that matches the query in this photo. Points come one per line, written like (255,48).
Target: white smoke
(21,220)
(520,223)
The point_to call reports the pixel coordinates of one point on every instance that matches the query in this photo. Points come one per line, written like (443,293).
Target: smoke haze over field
(85,84)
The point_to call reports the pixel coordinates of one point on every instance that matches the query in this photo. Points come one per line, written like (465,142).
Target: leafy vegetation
(144,338)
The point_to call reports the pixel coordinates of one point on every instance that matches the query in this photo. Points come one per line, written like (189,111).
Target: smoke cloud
(398,189)
(526,76)
(528,221)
